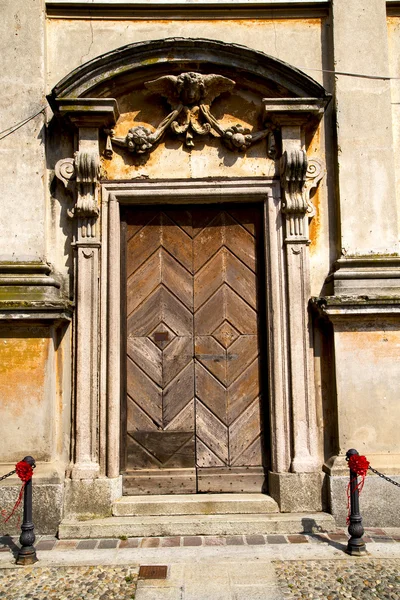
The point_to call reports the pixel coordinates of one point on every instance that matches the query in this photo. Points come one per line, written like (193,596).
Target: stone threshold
(195,525)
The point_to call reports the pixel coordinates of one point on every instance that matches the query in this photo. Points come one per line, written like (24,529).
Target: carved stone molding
(299,175)
(80,176)
(190,96)
(293,169)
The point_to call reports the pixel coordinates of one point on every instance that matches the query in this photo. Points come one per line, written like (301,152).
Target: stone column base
(379,501)
(298,492)
(91,498)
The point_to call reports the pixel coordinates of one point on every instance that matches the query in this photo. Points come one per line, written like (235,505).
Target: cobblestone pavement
(360,579)
(240,567)
(68,583)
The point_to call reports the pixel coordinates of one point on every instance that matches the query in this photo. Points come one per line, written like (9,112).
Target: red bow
(24,471)
(358,464)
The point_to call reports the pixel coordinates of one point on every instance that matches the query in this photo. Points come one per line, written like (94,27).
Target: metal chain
(7,475)
(384,476)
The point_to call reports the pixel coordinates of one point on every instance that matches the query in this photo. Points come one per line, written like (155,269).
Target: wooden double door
(194,409)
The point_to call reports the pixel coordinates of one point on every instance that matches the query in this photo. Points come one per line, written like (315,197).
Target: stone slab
(204,504)
(112,527)
(379,501)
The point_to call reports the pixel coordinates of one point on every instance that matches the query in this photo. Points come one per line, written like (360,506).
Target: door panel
(194,398)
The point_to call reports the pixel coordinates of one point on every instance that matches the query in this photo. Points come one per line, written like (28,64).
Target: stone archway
(290,103)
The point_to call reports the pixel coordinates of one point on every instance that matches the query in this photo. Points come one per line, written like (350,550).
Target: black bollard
(355,545)
(27,553)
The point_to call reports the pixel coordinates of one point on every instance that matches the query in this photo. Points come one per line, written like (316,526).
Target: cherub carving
(190,96)
(190,89)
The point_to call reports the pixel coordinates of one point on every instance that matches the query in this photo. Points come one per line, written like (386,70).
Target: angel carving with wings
(190,96)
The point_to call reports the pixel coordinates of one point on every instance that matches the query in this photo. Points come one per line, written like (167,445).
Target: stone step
(177,525)
(194,504)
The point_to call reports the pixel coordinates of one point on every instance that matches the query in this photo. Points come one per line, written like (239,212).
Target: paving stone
(372,531)
(130,543)
(87,544)
(297,539)
(276,539)
(214,541)
(66,545)
(108,544)
(235,540)
(171,542)
(255,540)
(45,545)
(150,543)
(192,540)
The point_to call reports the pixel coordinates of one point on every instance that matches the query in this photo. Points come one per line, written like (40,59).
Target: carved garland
(190,96)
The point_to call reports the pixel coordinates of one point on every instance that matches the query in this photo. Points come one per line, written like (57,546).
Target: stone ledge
(28,285)
(194,504)
(344,306)
(115,527)
(371,275)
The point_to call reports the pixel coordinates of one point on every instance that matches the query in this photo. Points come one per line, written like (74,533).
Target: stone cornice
(346,308)
(86,112)
(183,9)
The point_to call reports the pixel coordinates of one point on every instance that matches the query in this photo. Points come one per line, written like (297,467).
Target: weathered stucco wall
(368,211)
(299,42)
(22,62)
(394,71)
(368,405)
(33,394)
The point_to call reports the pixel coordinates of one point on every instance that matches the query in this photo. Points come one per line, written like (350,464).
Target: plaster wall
(33,394)
(368,211)
(368,406)
(393,24)
(22,68)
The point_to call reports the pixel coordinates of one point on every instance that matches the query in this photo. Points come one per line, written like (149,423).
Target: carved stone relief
(80,176)
(190,96)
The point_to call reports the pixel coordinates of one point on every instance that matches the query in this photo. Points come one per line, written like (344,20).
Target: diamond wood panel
(193,356)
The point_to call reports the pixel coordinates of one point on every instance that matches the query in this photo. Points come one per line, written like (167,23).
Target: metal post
(356,545)
(27,553)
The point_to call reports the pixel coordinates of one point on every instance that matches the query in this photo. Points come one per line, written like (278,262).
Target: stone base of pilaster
(91,498)
(379,501)
(47,503)
(298,492)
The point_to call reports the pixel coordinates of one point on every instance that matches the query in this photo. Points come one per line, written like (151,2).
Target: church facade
(200,269)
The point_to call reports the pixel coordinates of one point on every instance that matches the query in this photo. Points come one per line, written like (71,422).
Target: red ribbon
(24,471)
(358,465)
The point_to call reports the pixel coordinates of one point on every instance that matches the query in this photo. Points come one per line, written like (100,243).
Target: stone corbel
(80,175)
(298,174)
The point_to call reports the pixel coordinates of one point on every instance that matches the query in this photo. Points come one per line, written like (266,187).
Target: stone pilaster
(81,174)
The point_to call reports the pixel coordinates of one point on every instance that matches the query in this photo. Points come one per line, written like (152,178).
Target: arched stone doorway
(203,126)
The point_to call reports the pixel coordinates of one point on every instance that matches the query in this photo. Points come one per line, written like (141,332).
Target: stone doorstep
(194,525)
(190,504)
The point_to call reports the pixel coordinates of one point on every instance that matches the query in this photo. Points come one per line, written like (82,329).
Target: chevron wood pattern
(194,396)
